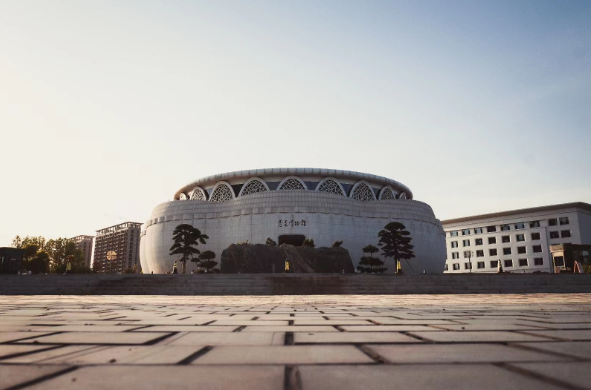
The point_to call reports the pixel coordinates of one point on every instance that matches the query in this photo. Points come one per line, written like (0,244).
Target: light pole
(470,260)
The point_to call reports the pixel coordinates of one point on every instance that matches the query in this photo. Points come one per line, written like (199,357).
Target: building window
(478,241)
(479,253)
(537,248)
(467,265)
(554,235)
(506,251)
(565,233)
(559,261)
(520,237)
(535,236)
(538,261)
(552,222)
(455,255)
(521,250)
(492,252)
(454,244)
(456,266)
(465,232)
(453,233)
(492,240)
(505,228)
(362,192)
(467,254)
(445,266)
(564,220)
(478,230)
(330,186)
(480,264)
(508,263)
(534,224)
(466,243)
(519,225)
(491,229)
(523,262)
(494,264)
(505,239)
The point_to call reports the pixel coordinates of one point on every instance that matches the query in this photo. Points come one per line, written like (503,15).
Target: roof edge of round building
(262,172)
(539,209)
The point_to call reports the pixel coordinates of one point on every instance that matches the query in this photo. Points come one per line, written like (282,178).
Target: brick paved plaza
(539,341)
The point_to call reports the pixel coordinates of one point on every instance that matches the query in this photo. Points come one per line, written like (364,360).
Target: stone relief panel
(331,186)
(198,194)
(362,191)
(222,192)
(252,186)
(292,183)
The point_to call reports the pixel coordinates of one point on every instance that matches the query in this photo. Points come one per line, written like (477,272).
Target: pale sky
(108,107)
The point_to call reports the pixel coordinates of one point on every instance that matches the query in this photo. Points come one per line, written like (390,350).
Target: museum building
(290,205)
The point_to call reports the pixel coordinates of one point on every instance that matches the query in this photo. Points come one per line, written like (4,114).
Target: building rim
(262,172)
(555,207)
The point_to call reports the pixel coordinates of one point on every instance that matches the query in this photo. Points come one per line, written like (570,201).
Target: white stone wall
(579,226)
(328,217)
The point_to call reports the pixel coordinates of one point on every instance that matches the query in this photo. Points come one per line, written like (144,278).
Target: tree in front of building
(309,242)
(395,243)
(186,238)
(370,263)
(337,244)
(270,242)
(206,260)
(59,251)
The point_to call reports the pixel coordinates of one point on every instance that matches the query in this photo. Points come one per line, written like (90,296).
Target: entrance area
(291,239)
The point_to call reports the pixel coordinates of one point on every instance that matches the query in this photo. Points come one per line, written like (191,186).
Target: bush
(337,244)
(270,242)
(309,243)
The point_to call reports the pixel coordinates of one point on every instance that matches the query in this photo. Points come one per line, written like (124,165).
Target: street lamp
(470,260)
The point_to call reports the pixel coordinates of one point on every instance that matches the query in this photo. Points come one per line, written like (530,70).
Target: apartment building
(123,241)
(519,239)
(84,243)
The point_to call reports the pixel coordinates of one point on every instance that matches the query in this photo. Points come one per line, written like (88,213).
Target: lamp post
(470,260)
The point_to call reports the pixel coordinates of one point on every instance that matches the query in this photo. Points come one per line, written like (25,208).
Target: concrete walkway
(536,341)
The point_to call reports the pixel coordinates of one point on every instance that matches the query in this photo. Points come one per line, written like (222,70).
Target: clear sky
(108,107)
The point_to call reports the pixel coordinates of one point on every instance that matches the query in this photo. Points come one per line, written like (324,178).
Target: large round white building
(290,205)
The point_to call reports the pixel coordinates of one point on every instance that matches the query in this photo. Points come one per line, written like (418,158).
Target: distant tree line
(50,256)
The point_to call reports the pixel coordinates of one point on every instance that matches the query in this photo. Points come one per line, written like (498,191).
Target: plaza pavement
(537,341)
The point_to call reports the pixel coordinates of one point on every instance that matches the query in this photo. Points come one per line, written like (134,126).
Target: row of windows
(362,191)
(494,252)
(506,239)
(506,227)
(495,263)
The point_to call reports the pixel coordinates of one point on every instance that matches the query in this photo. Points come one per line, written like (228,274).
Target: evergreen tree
(370,263)
(186,239)
(270,242)
(395,243)
(207,260)
(309,242)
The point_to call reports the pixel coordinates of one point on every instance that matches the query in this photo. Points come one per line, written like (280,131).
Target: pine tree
(207,260)
(370,263)
(395,243)
(186,239)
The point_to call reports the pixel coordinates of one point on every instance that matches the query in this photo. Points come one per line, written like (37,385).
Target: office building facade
(84,243)
(123,242)
(519,239)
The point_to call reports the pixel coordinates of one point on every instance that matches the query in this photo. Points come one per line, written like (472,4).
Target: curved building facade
(289,205)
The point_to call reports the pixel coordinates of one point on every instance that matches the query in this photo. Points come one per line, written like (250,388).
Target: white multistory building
(519,239)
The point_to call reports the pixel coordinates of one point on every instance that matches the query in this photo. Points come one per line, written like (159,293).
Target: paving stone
(458,353)
(8,350)
(343,321)
(417,377)
(301,328)
(128,355)
(476,337)
(233,338)
(14,336)
(13,375)
(97,338)
(353,337)
(49,354)
(168,377)
(204,328)
(86,328)
(387,328)
(580,349)
(305,354)
(250,323)
(572,373)
(564,334)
